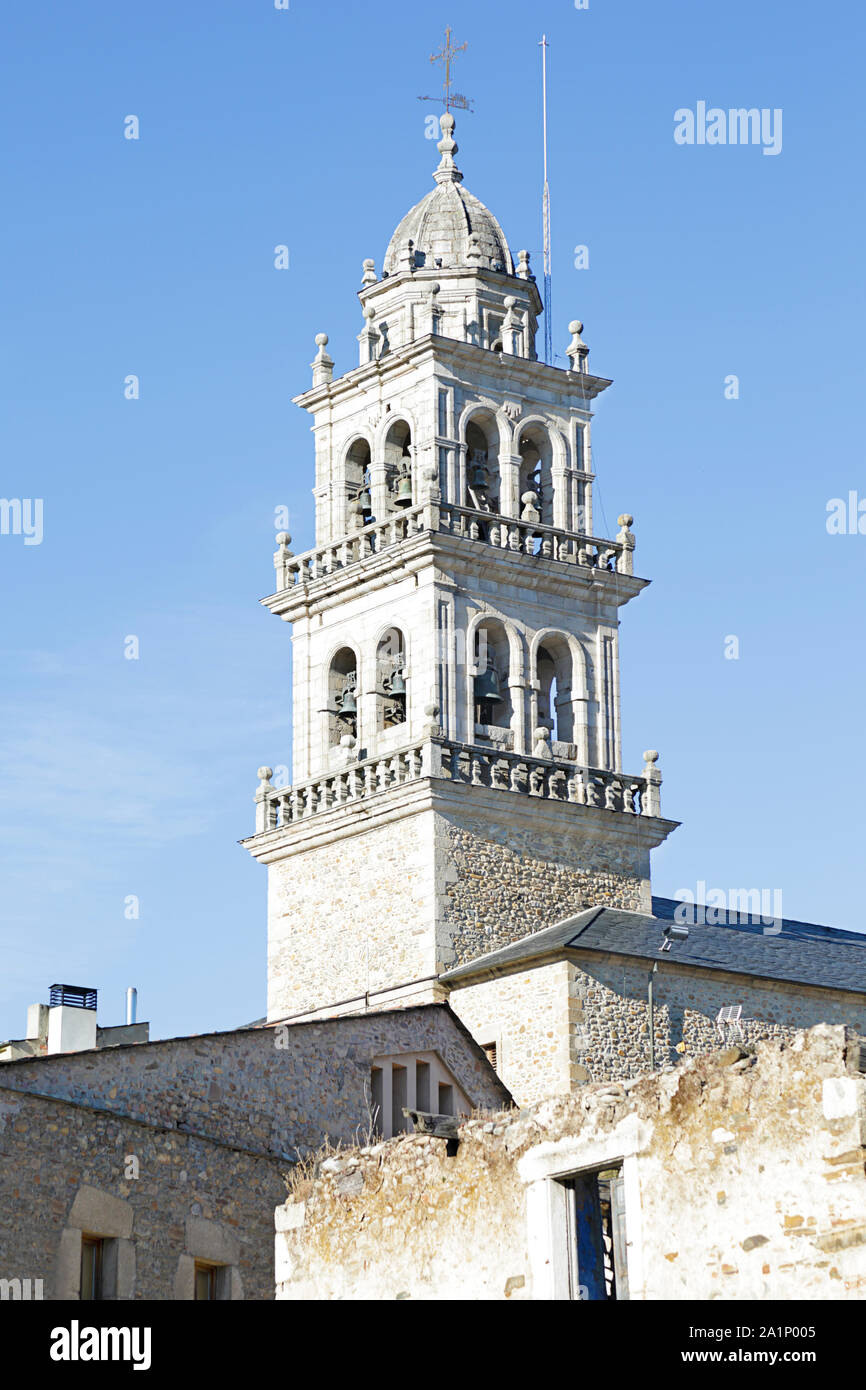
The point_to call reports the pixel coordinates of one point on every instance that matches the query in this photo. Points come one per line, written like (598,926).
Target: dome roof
(450,225)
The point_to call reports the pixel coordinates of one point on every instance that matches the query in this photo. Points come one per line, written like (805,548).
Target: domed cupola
(450,227)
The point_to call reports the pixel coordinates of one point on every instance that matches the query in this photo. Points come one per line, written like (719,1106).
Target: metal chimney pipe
(131,1004)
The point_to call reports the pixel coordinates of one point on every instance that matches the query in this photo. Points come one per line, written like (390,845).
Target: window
(595,1214)
(211,1282)
(446,1100)
(490,1049)
(92,1261)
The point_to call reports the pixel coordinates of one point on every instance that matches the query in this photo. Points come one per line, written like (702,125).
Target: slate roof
(800,953)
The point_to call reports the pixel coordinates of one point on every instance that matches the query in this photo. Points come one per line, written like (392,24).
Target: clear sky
(155,257)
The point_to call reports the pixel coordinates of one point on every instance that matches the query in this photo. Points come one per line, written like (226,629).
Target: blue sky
(155,257)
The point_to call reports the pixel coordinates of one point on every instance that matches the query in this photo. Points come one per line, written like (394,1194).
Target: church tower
(457,780)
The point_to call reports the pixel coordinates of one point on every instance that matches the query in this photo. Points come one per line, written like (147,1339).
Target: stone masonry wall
(501,879)
(351,915)
(561,1024)
(527,1016)
(275,1091)
(608,1019)
(187,1189)
(744,1178)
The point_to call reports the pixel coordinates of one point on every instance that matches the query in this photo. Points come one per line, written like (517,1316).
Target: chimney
(131,1005)
(71,1018)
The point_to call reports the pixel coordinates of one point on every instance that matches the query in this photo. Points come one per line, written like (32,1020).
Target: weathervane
(452,99)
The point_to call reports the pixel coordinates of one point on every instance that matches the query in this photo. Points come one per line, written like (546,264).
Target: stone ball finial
(431,710)
(369,312)
(283,538)
(575,326)
(529,499)
(435,287)
(625,519)
(542,733)
(265,774)
(651,756)
(321,340)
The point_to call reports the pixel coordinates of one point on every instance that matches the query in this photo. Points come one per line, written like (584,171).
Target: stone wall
(505,871)
(350,915)
(609,1016)
(277,1091)
(527,1016)
(743,1179)
(558,1024)
(65,1168)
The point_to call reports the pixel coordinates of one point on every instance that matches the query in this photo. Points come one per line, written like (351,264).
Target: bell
(487,686)
(477,475)
(398,684)
(365,500)
(348,704)
(403,497)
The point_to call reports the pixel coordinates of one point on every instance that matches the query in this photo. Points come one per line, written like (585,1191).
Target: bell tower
(457,778)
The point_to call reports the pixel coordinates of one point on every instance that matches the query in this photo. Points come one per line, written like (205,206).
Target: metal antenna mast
(447,54)
(548,313)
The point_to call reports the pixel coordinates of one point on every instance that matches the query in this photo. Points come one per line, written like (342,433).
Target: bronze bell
(403,496)
(477,475)
(348,704)
(365,500)
(398,684)
(487,686)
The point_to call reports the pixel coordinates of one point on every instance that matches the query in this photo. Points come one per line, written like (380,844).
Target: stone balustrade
(535,538)
(350,549)
(437,757)
(514,534)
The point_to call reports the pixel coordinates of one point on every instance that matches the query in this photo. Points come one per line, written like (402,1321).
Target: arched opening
(398,464)
(536,455)
(491,693)
(359,506)
(482,463)
(342,707)
(391,677)
(554,669)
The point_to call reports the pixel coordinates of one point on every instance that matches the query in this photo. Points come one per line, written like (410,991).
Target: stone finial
(512,328)
(368,338)
(431,718)
(322,364)
(263,792)
(282,556)
(523,269)
(369,277)
(626,540)
(530,510)
(447,147)
(577,351)
(541,743)
(473,251)
(406,259)
(652,796)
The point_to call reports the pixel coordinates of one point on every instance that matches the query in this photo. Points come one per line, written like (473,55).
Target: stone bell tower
(457,773)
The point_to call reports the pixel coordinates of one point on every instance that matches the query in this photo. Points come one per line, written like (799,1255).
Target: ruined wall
(744,1179)
(271,1090)
(63,1168)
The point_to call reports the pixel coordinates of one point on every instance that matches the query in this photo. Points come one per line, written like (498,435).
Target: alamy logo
(21,1290)
(22,516)
(740,125)
(77,1343)
(709,907)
